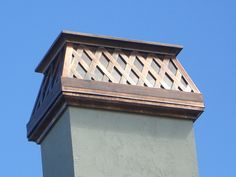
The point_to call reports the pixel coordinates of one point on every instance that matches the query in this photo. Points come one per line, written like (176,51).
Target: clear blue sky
(206,29)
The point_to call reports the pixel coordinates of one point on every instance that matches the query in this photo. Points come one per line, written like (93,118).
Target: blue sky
(206,29)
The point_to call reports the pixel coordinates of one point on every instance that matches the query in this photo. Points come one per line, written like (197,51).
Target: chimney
(111,107)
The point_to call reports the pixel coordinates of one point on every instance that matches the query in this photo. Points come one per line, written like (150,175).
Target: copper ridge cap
(122,39)
(106,41)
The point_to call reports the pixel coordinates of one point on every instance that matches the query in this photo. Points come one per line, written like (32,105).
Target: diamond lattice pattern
(128,67)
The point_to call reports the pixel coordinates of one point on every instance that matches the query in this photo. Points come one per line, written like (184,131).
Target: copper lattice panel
(128,67)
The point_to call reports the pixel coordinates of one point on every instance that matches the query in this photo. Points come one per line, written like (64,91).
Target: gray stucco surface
(99,143)
(116,144)
(56,150)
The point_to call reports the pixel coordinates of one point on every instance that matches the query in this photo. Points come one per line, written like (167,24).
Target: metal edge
(76,37)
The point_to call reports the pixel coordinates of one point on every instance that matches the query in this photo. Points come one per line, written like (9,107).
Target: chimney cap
(106,41)
(97,72)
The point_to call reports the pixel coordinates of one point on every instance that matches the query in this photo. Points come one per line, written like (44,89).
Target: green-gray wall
(56,150)
(116,144)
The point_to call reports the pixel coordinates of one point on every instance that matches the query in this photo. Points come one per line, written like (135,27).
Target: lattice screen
(50,84)
(128,67)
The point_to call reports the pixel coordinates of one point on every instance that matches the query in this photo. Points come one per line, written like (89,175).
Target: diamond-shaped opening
(121,61)
(104,61)
(134,76)
(168,81)
(160,57)
(80,69)
(116,74)
(143,54)
(151,78)
(54,72)
(180,89)
(156,67)
(92,49)
(98,74)
(126,52)
(138,64)
(183,81)
(86,58)
(172,67)
(57,77)
(46,86)
(110,50)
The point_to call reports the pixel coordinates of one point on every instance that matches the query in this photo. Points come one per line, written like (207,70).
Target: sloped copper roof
(109,73)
